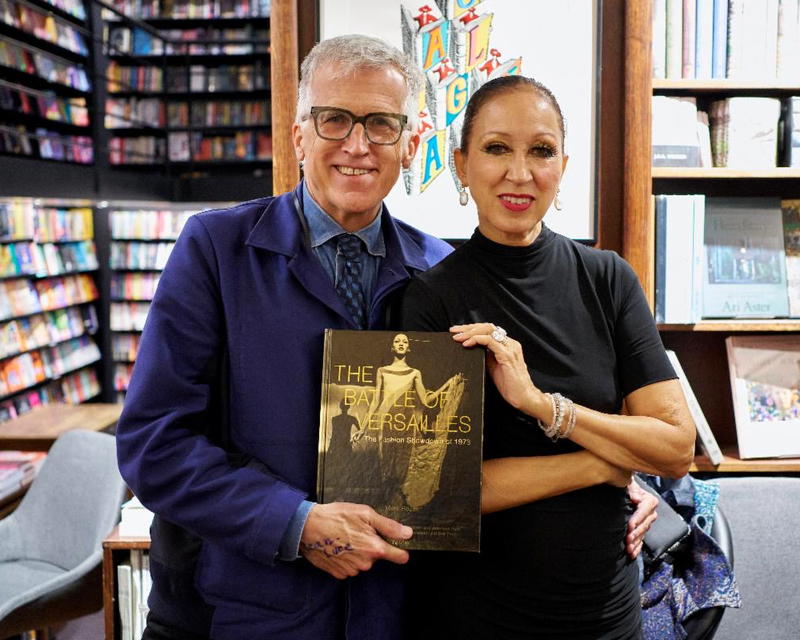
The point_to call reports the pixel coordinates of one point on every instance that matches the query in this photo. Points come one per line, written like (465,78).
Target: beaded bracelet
(560,406)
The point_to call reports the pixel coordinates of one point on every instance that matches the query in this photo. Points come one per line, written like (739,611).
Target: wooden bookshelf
(116,548)
(732,463)
(724,173)
(699,346)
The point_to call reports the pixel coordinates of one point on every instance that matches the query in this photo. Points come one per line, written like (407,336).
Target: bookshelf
(48,318)
(142,236)
(700,346)
(116,550)
(186,94)
(45,81)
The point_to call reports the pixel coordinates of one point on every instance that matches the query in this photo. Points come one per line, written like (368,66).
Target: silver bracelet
(571,423)
(557,404)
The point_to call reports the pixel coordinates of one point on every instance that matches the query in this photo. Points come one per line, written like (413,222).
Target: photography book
(401,429)
(765,384)
(708,443)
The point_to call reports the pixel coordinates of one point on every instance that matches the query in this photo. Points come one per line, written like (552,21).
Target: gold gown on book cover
(388,435)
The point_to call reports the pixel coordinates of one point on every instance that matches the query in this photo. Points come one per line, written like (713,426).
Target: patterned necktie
(349,287)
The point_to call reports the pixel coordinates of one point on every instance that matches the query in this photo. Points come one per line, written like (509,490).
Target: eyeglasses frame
(362,120)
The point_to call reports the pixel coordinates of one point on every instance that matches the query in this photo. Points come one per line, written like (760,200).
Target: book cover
(745,261)
(765,384)
(791,247)
(705,437)
(401,429)
(675,142)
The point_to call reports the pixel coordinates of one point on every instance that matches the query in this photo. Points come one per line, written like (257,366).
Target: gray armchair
(51,546)
(764,516)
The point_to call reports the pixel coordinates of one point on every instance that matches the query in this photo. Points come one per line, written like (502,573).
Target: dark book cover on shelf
(401,429)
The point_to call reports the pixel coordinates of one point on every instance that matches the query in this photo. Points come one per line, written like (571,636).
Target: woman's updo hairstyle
(498,86)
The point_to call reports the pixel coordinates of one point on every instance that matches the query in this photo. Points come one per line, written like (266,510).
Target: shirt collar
(321,227)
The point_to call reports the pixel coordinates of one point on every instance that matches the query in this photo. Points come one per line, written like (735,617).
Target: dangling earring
(463,196)
(556,202)
(302,164)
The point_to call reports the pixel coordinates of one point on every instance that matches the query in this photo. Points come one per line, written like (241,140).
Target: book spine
(674,37)
(688,39)
(661,258)
(659,38)
(679,262)
(704,39)
(708,443)
(324,419)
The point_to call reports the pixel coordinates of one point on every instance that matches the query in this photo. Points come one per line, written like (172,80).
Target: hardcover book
(765,384)
(708,443)
(745,260)
(401,429)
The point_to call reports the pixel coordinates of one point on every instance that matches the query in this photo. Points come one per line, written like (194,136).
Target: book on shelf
(680,223)
(791,132)
(401,429)
(765,384)
(135,519)
(124,600)
(791,247)
(675,132)
(745,259)
(752,132)
(705,436)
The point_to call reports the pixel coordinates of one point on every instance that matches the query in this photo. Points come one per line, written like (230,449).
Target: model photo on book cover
(401,429)
(765,384)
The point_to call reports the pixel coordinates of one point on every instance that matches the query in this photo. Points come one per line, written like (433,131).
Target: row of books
(218,113)
(124,40)
(740,39)
(138,150)
(44,105)
(134,78)
(42,329)
(192,79)
(25,220)
(147,224)
(201,79)
(128,316)
(34,62)
(46,259)
(122,376)
(125,346)
(739,132)
(134,286)
(28,369)
(242,145)
(42,25)
(133,587)
(140,255)
(18,469)
(194,8)
(124,113)
(72,388)
(49,145)
(74,8)
(726,258)
(23,296)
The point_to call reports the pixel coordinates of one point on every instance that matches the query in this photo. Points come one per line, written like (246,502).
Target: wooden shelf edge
(736,325)
(732,463)
(725,84)
(724,172)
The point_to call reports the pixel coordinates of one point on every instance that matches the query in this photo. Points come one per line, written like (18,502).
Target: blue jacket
(242,279)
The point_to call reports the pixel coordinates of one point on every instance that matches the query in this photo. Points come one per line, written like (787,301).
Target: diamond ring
(499,334)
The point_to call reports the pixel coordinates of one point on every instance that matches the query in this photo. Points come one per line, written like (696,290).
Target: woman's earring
(463,196)
(302,164)
(557,201)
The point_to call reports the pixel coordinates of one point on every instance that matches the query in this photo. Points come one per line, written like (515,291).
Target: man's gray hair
(351,53)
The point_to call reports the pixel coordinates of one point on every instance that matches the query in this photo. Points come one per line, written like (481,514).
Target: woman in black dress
(583,393)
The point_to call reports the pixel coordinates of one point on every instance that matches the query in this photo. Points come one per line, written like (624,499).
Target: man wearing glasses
(220,427)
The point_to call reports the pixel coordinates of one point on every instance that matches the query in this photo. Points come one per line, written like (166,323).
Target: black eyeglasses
(332,123)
